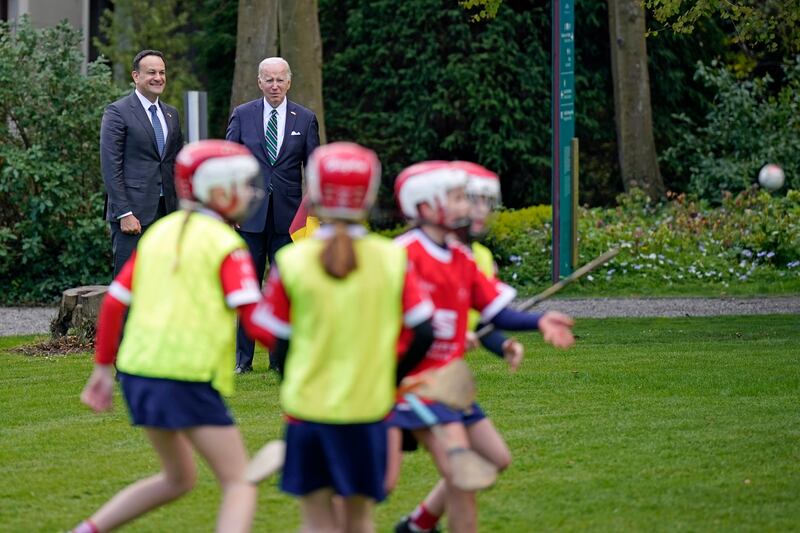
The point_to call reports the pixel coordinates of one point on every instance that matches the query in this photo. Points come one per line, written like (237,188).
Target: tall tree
(286,28)
(775,24)
(135,25)
(633,112)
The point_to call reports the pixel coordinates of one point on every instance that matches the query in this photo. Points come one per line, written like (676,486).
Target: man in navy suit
(140,136)
(281,135)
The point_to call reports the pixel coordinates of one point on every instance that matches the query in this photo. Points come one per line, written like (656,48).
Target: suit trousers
(123,244)
(263,247)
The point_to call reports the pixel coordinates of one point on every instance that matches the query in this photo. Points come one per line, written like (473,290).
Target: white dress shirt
(281,120)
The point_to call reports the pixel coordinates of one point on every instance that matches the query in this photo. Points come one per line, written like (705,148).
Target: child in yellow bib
(190,275)
(336,302)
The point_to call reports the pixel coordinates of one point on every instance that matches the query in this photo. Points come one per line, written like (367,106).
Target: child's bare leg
(394,448)
(487,441)
(177,477)
(358,515)
(317,513)
(461,505)
(224,451)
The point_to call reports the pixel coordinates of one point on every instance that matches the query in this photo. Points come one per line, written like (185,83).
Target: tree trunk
(301,46)
(256,38)
(634,116)
(286,28)
(78,312)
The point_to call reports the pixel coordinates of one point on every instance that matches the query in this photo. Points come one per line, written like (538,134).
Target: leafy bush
(752,236)
(52,235)
(748,126)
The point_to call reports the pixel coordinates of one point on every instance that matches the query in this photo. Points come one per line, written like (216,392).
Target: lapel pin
(292,112)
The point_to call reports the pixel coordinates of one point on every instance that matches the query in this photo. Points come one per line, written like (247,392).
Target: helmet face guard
(219,175)
(343,180)
(430,183)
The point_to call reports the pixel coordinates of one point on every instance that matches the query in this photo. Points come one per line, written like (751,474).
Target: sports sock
(87,526)
(423,519)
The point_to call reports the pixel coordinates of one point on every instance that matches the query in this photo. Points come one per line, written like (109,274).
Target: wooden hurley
(452,385)
(469,470)
(550,291)
(268,461)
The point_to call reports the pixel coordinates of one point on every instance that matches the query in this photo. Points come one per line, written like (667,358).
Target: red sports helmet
(427,182)
(343,180)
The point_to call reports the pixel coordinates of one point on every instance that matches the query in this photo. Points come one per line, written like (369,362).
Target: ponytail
(180,240)
(339,256)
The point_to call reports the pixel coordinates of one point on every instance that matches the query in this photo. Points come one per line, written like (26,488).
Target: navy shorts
(349,458)
(170,404)
(403,417)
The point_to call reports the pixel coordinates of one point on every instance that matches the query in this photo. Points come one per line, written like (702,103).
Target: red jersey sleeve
(239,282)
(417,304)
(112,314)
(273,311)
(489,295)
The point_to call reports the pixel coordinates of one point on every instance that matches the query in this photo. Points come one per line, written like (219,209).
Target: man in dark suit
(139,139)
(281,135)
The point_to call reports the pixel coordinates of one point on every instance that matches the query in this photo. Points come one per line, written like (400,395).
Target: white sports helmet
(427,182)
(481,182)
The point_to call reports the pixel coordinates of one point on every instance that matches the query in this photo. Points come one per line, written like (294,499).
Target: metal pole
(563,124)
(196,105)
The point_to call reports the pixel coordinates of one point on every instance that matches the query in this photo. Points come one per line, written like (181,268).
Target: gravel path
(31,320)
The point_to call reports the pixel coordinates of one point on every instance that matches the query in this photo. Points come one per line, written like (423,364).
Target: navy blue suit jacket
(284,179)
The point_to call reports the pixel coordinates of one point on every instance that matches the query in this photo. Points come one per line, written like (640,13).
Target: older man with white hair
(281,135)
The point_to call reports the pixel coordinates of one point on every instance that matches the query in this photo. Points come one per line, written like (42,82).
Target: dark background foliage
(414,80)
(52,235)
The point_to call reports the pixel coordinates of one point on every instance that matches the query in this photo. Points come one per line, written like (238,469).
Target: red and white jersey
(456,285)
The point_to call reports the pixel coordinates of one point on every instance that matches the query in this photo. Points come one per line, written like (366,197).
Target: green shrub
(748,126)
(753,236)
(52,235)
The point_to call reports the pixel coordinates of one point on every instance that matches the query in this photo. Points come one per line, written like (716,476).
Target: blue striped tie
(157,129)
(272,136)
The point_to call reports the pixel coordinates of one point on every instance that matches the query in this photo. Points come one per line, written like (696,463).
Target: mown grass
(687,424)
(653,288)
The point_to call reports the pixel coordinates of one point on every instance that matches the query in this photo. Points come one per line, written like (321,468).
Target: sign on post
(563,127)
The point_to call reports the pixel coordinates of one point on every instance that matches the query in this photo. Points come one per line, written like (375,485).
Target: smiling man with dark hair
(139,139)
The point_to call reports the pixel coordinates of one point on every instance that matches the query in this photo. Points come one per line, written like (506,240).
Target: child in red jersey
(433,194)
(182,289)
(483,191)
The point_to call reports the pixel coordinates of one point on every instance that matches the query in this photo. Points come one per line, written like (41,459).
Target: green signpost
(564,150)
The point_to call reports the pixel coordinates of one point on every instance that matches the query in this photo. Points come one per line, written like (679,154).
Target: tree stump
(77,314)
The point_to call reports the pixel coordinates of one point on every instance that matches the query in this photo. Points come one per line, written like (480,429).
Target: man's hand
(513,353)
(99,390)
(130,225)
(556,329)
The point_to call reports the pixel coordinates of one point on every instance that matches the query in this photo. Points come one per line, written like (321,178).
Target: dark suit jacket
(283,179)
(132,169)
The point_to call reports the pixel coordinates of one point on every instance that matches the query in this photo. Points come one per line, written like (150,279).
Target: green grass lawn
(648,424)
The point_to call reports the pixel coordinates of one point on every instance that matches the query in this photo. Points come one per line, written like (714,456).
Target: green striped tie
(272,136)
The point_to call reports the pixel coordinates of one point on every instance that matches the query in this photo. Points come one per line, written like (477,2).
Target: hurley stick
(553,289)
